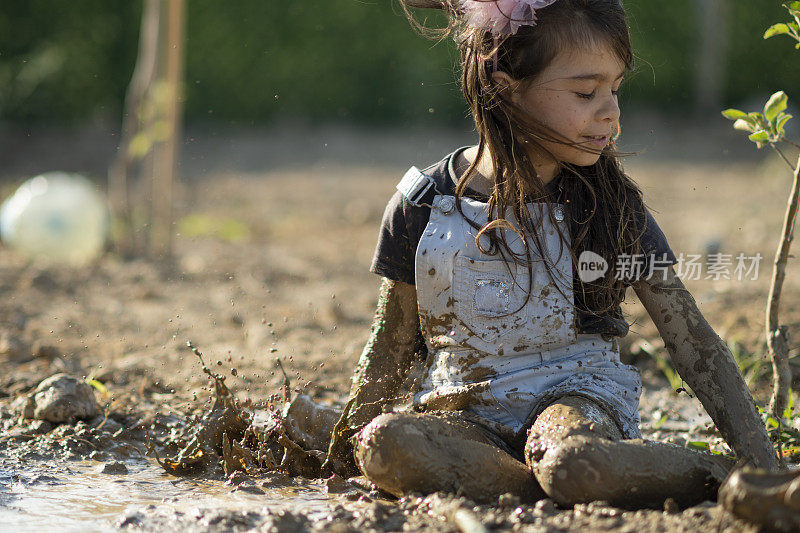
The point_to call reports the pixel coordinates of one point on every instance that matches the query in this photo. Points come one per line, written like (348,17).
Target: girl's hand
(340,451)
(380,372)
(705,363)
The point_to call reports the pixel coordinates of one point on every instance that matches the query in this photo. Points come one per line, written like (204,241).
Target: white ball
(58,216)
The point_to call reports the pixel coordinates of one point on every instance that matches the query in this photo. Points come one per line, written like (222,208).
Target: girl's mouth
(599,141)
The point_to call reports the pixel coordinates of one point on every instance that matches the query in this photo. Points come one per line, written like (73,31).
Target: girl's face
(576,97)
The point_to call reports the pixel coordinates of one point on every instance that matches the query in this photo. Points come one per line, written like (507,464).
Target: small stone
(115,467)
(671,506)
(336,484)
(276,479)
(63,398)
(545,506)
(508,500)
(361,482)
(98,455)
(309,423)
(250,489)
(40,427)
(25,406)
(236,478)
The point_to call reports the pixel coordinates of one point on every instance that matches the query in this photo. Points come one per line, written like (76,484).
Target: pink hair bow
(502,17)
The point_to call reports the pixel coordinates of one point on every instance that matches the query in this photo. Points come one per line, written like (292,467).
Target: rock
(276,479)
(63,398)
(40,427)
(24,406)
(310,424)
(336,484)
(769,499)
(98,455)
(250,489)
(671,506)
(545,507)
(116,467)
(362,483)
(236,478)
(508,500)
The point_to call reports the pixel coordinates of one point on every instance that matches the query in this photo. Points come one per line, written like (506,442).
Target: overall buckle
(414,186)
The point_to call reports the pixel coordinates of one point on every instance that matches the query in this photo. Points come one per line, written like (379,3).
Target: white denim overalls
(489,354)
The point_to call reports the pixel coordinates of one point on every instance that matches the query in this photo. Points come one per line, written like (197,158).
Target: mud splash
(226,438)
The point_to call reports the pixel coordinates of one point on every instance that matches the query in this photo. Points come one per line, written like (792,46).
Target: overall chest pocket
(489,299)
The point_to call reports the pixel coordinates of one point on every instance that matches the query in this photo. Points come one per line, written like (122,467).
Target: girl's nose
(610,110)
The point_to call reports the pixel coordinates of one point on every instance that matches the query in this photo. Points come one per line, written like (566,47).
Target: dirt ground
(274,264)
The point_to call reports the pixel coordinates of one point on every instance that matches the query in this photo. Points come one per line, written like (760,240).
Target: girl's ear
(508,86)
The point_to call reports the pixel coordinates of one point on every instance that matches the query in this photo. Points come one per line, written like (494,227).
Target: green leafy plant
(750,364)
(97,385)
(784,430)
(767,128)
(787,28)
(701,445)
(664,365)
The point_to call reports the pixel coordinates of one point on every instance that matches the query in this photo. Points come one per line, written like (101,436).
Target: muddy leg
(577,454)
(408,452)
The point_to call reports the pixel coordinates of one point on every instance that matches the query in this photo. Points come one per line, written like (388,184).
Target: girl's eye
(589,96)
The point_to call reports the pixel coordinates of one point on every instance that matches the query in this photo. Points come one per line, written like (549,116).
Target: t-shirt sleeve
(399,234)
(656,254)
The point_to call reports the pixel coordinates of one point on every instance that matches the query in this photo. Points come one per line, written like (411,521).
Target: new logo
(591,266)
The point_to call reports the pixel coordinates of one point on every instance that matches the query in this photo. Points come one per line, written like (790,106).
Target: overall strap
(418,188)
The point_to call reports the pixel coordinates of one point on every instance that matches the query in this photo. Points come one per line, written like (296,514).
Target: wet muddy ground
(274,267)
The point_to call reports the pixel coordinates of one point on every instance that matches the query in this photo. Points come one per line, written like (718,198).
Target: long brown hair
(603,206)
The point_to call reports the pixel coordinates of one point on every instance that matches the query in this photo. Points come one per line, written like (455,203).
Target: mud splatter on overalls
(490,355)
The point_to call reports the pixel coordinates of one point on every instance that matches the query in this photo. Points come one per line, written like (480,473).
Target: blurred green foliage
(250,62)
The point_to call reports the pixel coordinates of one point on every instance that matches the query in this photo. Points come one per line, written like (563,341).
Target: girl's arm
(381,369)
(705,363)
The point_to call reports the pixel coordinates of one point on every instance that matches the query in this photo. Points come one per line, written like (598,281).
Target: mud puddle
(79,496)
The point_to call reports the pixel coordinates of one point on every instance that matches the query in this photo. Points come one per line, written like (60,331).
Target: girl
(480,258)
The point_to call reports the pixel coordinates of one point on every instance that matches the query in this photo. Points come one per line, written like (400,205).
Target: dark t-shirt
(404,223)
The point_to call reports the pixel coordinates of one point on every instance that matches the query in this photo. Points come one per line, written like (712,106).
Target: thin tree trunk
(166,155)
(120,186)
(710,59)
(778,335)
